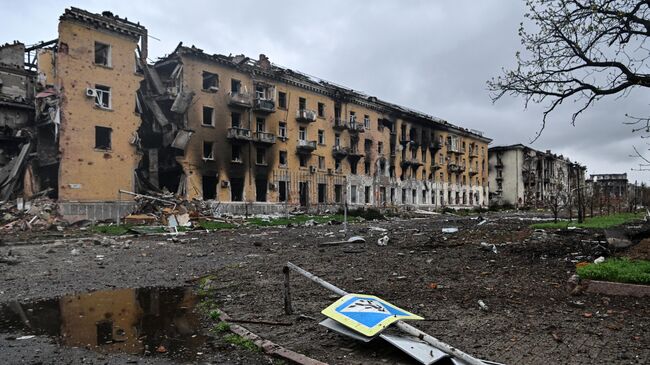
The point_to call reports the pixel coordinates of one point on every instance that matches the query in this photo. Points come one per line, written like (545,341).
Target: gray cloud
(430,56)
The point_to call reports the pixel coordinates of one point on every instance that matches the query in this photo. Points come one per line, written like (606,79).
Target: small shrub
(241,342)
(221,327)
(215,314)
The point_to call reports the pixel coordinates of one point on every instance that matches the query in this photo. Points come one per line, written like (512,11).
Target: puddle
(148,321)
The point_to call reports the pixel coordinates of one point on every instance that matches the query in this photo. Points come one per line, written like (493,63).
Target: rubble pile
(38,214)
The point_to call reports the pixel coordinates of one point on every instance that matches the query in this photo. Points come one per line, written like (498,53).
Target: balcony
(405,140)
(473,153)
(239,134)
(240,100)
(306,146)
(264,105)
(435,166)
(435,146)
(499,164)
(306,115)
(453,149)
(462,168)
(339,151)
(355,152)
(355,127)
(339,124)
(499,178)
(264,138)
(452,167)
(473,171)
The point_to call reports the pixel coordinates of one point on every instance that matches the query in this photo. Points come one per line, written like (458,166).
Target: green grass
(112,230)
(221,327)
(298,219)
(619,270)
(605,221)
(239,341)
(212,225)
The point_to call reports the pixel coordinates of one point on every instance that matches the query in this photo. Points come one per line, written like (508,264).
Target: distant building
(609,191)
(525,177)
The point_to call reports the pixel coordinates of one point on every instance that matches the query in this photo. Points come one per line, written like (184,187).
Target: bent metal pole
(403,326)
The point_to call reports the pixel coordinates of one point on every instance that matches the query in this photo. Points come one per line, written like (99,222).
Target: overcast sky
(431,56)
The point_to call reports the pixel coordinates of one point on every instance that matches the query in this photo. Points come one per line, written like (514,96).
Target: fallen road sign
(366,314)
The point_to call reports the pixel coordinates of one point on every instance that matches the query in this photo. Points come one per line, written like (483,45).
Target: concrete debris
(483,306)
(599,260)
(378,229)
(356,239)
(450,230)
(489,247)
(383,241)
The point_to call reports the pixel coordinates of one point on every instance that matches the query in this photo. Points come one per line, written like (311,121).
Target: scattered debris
(450,230)
(483,306)
(489,247)
(383,241)
(599,260)
(378,229)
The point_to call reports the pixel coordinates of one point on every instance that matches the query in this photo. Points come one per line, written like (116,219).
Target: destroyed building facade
(244,133)
(525,177)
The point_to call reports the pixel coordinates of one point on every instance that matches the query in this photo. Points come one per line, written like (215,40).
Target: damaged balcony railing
(306,115)
(264,137)
(356,127)
(306,146)
(264,105)
(239,134)
(435,145)
(339,151)
(339,123)
(239,99)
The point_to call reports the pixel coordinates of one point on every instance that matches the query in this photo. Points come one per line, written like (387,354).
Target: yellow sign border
(361,328)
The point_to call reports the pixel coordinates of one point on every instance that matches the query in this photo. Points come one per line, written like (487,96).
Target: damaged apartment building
(524,177)
(247,134)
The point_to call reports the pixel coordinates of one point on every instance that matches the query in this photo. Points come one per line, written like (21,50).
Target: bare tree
(555,200)
(582,51)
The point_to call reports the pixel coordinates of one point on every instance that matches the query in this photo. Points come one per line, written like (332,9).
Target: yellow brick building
(259,136)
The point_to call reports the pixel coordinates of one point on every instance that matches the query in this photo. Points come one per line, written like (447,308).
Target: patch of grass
(221,327)
(239,341)
(619,270)
(215,314)
(212,225)
(112,230)
(605,221)
(297,220)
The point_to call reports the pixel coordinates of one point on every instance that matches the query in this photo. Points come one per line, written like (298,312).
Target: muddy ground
(531,318)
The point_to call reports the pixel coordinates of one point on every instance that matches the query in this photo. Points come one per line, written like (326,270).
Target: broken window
(322,193)
(282,191)
(302,103)
(102,54)
(403,196)
(208,150)
(282,130)
(103,138)
(261,124)
(210,81)
(260,92)
(338,189)
(236,189)
(366,121)
(209,187)
(367,194)
(424,196)
(283,158)
(366,167)
(261,156)
(235,120)
(302,134)
(207,116)
(260,189)
(235,86)
(303,160)
(235,153)
(380,147)
(353,118)
(321,136)
(103,96)
(321,110)
(321,162)
(353,168)
(353,194)
(337,140)
(282,100)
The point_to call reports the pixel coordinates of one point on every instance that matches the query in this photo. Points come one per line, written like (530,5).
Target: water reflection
(149,321)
